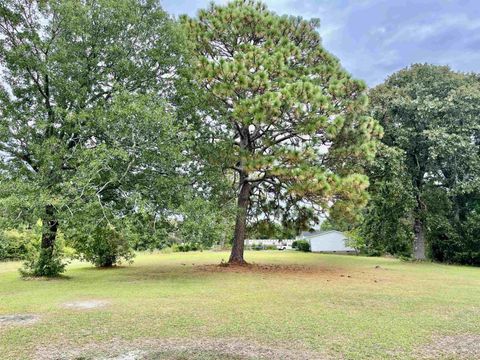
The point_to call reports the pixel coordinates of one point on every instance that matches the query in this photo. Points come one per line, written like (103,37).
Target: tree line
(425,179)
(121,127)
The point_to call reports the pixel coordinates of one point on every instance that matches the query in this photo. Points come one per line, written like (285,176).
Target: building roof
(317,233)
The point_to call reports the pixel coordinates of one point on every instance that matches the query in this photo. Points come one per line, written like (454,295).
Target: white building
(279,243)
(326,241)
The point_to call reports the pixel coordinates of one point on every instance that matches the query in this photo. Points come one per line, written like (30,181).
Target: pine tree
(291,119)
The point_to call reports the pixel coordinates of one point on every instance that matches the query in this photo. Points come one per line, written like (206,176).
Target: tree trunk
(236,257)
(419,243)
(49,233)
(108,262)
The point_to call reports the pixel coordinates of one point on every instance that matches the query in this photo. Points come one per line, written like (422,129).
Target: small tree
(292,121)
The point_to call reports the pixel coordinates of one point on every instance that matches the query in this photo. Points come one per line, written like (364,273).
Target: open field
(301,306)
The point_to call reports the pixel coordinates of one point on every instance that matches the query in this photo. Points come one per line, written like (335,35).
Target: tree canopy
(432,114)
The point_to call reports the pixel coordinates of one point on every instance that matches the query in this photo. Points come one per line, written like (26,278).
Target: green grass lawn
(172,306)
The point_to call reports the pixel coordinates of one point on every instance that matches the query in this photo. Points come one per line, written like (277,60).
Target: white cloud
(420,31)
(374,38)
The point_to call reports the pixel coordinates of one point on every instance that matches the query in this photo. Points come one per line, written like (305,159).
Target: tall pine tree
(292,121)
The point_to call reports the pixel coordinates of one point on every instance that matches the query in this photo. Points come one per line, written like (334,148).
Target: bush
(167,250)
(105,246)
(302,245)
(44,262)
(16,245)
(259,247)
(190,246)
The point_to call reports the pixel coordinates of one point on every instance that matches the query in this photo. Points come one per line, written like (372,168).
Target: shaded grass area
(336,306)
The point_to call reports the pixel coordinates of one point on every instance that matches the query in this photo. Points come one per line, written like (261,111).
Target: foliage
(189,246)
(259,246)
(432,114)
(302,245)
(16,244)
(355,240)
(48,262)
(291,121)
(106,246)
(204,222)
(44,262)
(265,229)
(387,220)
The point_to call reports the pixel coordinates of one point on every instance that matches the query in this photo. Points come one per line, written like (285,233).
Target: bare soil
(458,347)
(86,304)
(18,319)
(267,268)
(184,349)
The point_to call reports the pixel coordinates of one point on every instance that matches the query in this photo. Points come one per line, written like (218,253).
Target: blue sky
(374,38)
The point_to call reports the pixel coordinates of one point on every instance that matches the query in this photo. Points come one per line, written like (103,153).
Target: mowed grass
(332,305)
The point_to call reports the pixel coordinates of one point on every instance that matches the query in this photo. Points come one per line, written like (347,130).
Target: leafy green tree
(15,244)
(264,229)
(77,150)
(386,225)
(291,122)
(432,114)
(203,223)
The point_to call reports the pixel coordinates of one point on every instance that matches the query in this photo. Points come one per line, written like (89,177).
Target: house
(279,243)
(326,241)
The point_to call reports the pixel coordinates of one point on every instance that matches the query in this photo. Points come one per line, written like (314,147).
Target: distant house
(326,241)
(279,243)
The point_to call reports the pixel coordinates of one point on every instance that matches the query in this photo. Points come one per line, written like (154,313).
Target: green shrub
(167,250)
(69,252)
(17,244)
(44,262)
(105,246)
(190,246)
(302,245)
(257,247)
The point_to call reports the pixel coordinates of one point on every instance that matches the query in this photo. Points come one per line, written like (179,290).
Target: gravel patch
(458,347)
(130,355)
(18,319)
(86,304)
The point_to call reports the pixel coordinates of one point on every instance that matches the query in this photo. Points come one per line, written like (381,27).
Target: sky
(375,38)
